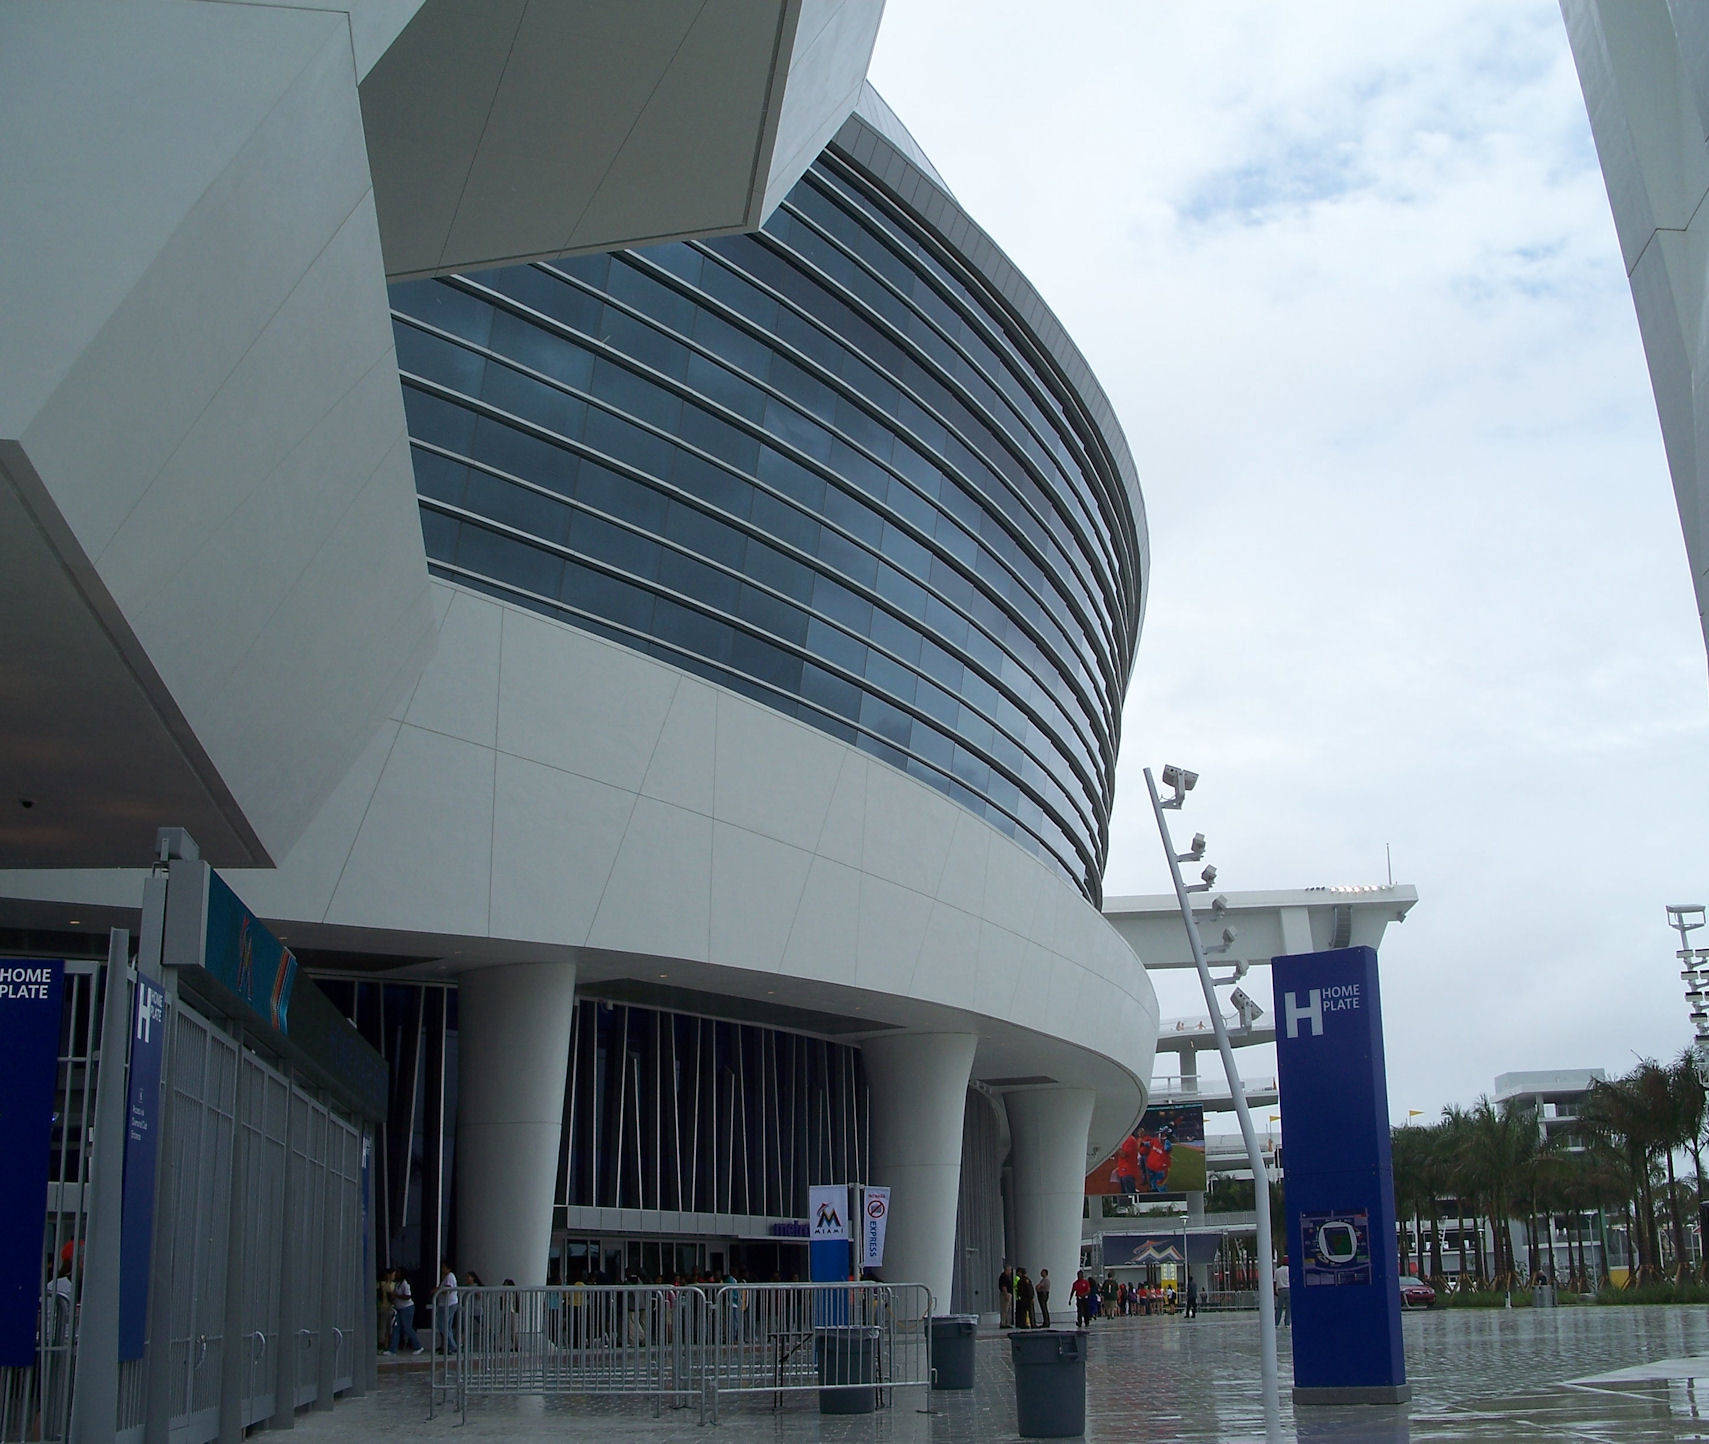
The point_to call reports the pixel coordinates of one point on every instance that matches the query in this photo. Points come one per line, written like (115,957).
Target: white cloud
(1348,275)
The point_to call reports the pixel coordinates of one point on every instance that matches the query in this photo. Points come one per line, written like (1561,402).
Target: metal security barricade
(643,1341)
(772,1338)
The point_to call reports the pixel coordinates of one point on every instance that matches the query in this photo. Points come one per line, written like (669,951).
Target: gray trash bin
(953,1337)
(1543,1296)
(846,1356)
(1050,1382)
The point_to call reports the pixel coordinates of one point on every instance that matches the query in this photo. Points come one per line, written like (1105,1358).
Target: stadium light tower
(1182,782)
(1686,918)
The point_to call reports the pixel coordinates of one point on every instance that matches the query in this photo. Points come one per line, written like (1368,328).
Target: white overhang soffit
(503,130)
(1265,924)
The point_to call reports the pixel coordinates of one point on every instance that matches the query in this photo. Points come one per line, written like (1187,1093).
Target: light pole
(1182,782)
(1686,918)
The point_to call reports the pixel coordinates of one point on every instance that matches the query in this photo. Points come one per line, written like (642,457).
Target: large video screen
(1163,1158)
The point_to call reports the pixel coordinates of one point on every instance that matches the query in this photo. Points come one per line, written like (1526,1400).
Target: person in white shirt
(448,1308)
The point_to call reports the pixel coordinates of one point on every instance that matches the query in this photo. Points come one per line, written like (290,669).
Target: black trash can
(1050,1382)
(846,1356)
(953,1337)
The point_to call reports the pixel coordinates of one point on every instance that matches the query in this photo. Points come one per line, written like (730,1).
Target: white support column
(513,1050)
(1048,1129)
(918,1083)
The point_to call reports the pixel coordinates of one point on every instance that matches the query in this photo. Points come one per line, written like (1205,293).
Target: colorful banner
(247,958)
(875,1214)
(1164,1158)
(31,996)
(142,1151)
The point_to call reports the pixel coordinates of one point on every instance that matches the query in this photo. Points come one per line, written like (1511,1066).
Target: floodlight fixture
(1219,905)
(1182,781)
(1196,852)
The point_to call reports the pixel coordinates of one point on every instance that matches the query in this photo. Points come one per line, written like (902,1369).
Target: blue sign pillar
(1342,1269)
(31,993)
(142,1151)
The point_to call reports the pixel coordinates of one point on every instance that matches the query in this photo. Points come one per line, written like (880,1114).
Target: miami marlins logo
(827,1217)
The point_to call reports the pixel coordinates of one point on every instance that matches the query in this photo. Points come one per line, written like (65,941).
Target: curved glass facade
(825,466)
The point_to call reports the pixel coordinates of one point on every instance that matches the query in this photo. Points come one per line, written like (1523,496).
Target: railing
(626,1339)
(768,1338)
(1193,1085)
(682,1345)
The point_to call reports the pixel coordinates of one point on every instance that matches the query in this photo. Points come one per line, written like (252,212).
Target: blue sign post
(31,994)
(142,1151)
(1342,1268)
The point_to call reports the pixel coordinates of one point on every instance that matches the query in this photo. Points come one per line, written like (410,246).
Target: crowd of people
(1024,1303)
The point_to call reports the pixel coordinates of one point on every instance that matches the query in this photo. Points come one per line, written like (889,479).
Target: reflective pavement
(1572,1374)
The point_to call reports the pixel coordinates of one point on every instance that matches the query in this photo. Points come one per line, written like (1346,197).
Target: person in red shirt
(1082,1292)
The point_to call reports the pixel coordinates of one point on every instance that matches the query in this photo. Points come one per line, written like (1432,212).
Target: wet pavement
(1612,1375)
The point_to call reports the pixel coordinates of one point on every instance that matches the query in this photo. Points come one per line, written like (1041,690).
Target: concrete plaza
(1579,1374)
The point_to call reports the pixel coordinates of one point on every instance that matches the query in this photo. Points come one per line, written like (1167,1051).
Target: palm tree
(1637,1114)
(1497,1142)
(1690,1112)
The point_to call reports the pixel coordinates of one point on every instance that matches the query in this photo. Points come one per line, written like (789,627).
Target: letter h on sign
(1311,1011)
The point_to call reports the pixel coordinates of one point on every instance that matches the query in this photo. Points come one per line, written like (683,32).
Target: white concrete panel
(302,885)
(1659,108)
(906,836)
(374,24)
(720,72)
(1014,884)
(771,772)
(949,956)
(458,690)
(843,837)
(962,884)
(757,885)
(290,419)
(410,870)
(832,48)
(574,70)
(893,923)
(681,769)
(576,703)
(1031,1002)
(236,254)
(1001,956)
(824,933)
(117,111)
(291,747)
(658,899)
(1066,977)
(556,838)
(424,107)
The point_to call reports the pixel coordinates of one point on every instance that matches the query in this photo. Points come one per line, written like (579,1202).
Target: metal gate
(201,1118)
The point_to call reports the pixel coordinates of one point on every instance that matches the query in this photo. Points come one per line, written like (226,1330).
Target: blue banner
(142,1151)
(247,958)
(1342,1267)
(31,996)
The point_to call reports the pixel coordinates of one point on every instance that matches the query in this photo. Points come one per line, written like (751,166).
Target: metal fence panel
(624,1339)
(763,1337)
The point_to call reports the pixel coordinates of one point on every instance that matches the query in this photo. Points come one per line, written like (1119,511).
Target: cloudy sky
(1348,274)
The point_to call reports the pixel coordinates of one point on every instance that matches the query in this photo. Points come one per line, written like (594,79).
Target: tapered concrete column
(1047,1141)
(918,1084)
(513,1049)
